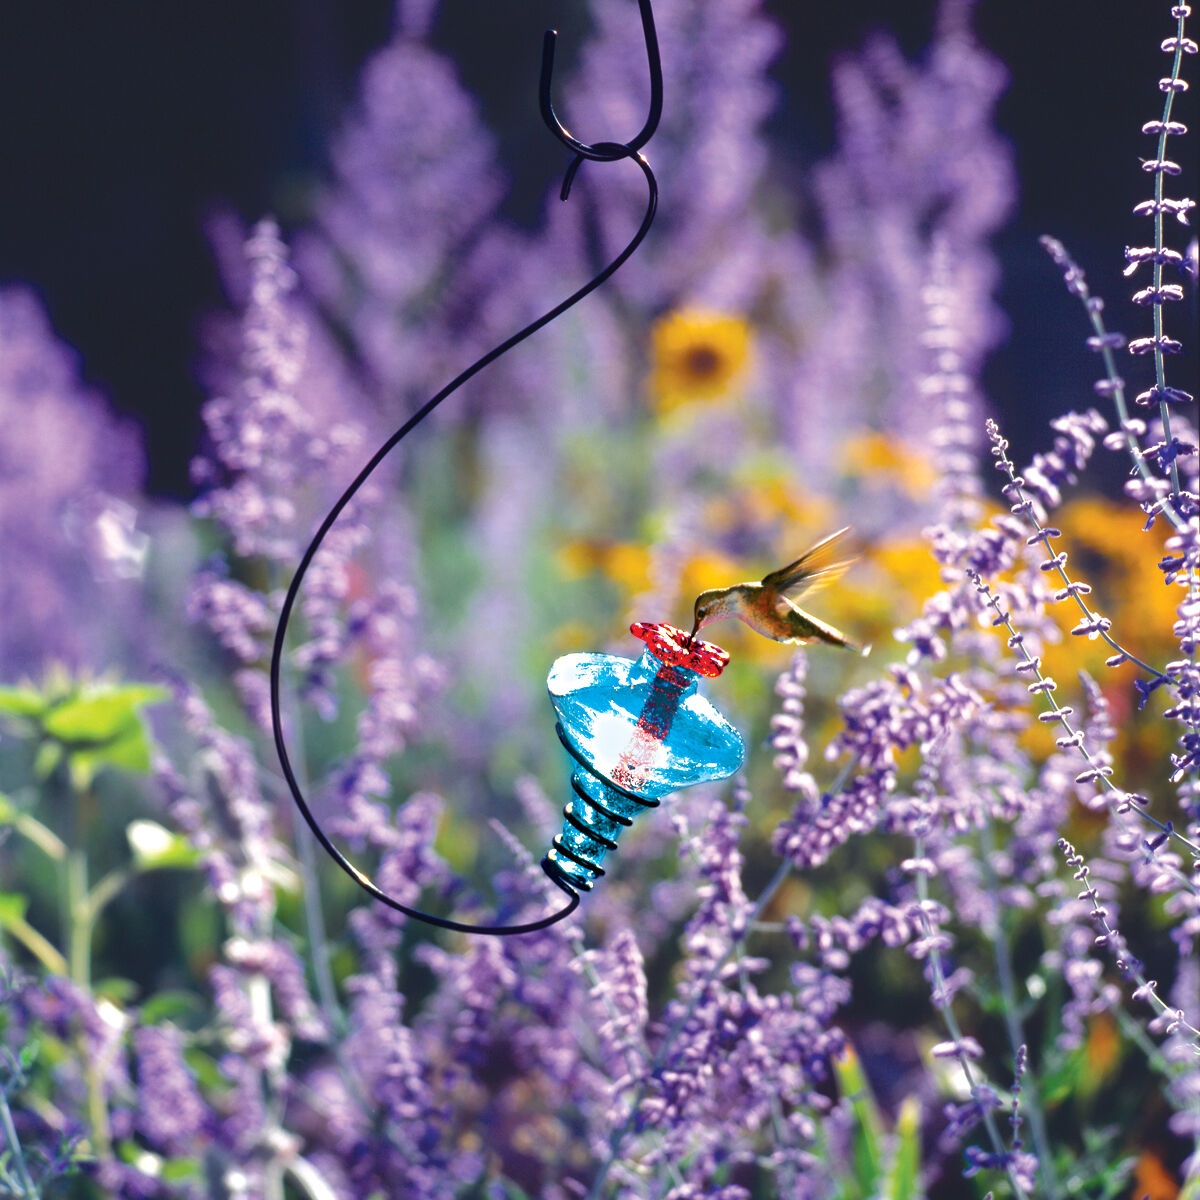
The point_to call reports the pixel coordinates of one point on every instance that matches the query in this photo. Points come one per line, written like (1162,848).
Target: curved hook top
(605,151)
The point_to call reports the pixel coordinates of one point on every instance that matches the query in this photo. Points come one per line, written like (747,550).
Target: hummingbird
(765,606)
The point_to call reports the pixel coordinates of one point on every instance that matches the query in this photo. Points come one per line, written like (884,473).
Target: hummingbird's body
(765,607)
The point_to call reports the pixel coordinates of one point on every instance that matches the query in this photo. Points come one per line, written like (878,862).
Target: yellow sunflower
(696,355)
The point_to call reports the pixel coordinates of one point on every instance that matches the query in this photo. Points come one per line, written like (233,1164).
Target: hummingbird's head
(710,606)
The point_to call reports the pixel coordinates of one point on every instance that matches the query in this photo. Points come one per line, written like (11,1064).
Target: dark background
(126,124)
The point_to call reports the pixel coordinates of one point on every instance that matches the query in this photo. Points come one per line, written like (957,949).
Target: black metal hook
(602,151)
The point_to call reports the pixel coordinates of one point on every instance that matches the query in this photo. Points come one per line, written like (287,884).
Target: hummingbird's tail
(820,631)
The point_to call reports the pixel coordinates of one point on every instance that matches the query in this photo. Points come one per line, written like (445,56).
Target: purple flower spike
(708,150)
(172,1116)
(415,182)
(67,529)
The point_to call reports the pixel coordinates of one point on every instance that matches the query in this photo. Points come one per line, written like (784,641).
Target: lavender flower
(1048,473)
(708,150)
(266,447)
(679,1038)
(903,172)
(880,721)
(171,1113)
(283,970)
(620,985)
(223,814)
(404,1136)
(787,739)
(42,1142)
(401,683)
(263,441)
(1183,563)
(68,471)
(409,864)
(415,182)
(728,1046)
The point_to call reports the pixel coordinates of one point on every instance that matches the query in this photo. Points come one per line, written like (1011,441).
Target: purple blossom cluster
(725,1045)
(906,178)
(416,183)
(709,150)
(69,475)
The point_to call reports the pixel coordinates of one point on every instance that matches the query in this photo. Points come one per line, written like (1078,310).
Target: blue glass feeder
(636,731)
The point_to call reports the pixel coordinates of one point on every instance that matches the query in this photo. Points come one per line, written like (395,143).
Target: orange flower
(1103,1047)
(1152,1180)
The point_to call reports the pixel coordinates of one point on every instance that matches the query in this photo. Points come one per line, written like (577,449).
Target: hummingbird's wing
(812,567)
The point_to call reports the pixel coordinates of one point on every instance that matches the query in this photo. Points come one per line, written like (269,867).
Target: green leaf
(1061,1080)
(29,1055)
(174,1006)
(129,1151)
(906,1166)
(130,752)
(49,755)
(117,990)
(867,1136)
(22,702)
(157,848)
(209,1077)
(177,1170)
(101,712)
(12,907)
(99,726)
(514,1191)
(1116,1179)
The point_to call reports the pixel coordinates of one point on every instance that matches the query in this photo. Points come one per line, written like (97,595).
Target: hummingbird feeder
(635,731)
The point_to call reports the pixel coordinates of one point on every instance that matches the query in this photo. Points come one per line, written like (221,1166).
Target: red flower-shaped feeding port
(675,648)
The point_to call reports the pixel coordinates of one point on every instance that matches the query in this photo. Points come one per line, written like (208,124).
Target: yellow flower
(1109,549)
(897,576)
(625,563)
(879,456)
(706,571)
(696,355)
(758,499)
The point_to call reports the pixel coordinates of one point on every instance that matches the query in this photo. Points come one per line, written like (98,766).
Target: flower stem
(314,919)
(28,1189)
(952,1025)
(1004,973)
(80,922)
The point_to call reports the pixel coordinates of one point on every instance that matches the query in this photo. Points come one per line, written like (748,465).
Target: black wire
(597,152)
